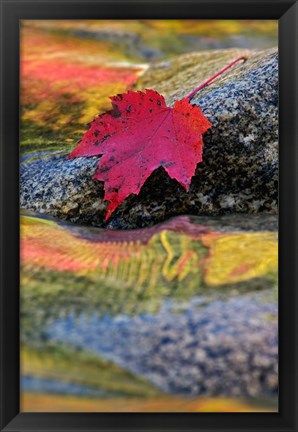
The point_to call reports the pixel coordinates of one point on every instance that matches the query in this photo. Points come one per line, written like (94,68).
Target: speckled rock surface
(63,188)
(239,172)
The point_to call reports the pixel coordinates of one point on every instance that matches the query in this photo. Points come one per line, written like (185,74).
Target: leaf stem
(210,80)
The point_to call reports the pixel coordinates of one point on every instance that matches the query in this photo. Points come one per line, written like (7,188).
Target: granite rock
(53,185)
(239,172)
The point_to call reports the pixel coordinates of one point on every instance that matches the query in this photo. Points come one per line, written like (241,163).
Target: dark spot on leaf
(166,164)
(159,102)
(105,169)
(150,110)
(116,113)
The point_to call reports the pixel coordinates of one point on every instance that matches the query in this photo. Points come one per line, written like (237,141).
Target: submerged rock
(239,172)
(226,348)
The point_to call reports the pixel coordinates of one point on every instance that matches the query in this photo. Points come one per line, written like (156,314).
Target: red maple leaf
(140,134)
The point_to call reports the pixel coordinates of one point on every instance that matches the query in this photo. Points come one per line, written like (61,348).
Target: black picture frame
(286,12)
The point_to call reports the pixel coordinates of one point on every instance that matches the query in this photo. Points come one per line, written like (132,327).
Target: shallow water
(189,308)
(51,386)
